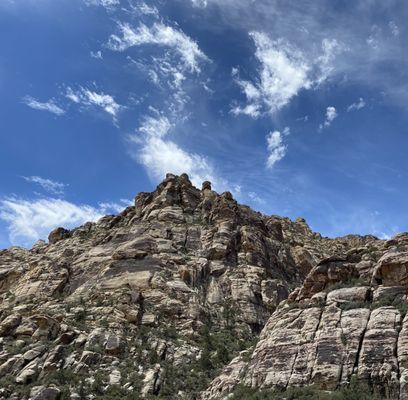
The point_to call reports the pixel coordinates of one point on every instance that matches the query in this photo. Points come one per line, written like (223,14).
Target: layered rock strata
(155,301)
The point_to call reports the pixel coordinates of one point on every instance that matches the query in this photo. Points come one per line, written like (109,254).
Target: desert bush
(396,301)
(354,391)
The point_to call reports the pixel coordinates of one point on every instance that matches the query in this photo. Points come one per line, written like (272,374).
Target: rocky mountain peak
(157,300)
(173,191)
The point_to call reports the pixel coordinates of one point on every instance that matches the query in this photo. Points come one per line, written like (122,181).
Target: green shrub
(350,282)
(116,393)
(396,301)
(354,391)
(80,316)
(306,393)
(62,377)
(351,305)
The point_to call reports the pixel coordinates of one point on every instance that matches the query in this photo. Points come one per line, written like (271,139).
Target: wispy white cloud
(88,98)
(165,68)
(199,3)
(104,3)
(256,198)
(331,115)
(178,63)
(276,148)
(160,155)
(29,220)
(325,62)
(394,28)
(375,38)
(284,71)
(358,105)
(48,185)
(373,52)
(114,207)
(157,126)
(303,119)
(49,105)
(161,35)
(170,78)
(286,131)
(97,54)
(145,9)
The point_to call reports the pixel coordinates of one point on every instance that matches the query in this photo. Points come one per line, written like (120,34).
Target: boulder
(9,324)
(115,377)
(114,345)
(206,185)
(353,294)
(45,393)
(152,381)
(58,234)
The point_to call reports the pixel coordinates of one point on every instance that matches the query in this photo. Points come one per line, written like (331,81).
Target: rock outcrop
(347,321)
(174,291)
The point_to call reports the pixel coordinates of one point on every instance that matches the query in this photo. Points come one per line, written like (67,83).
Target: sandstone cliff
(157,301)
(346,321)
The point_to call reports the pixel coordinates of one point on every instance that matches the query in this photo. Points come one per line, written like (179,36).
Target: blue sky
(299,108)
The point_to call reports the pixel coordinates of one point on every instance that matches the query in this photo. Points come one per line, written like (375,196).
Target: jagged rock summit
(188,294)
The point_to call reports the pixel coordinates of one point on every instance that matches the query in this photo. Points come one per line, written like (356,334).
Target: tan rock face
(392,269)
(352,294)
(9,323)
(159,298)
(57,235)
(335,327)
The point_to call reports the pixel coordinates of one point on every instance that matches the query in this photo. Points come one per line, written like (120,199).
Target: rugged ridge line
(166,300)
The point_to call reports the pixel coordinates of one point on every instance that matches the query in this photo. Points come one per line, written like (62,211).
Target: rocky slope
(157,301)
(347,321)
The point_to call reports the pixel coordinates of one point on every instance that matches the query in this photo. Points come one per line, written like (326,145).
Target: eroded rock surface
(346,321)
(157,300)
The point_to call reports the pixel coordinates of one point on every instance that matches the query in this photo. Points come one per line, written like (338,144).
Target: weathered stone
(206,185)
(96,339)
(142,291)
(12,365)
(113,345)
(137,248)
(152,381)
(344,295)
(148,319)
(326,273)
(178,285)
(389,293)
(402,354)
(89,358)
(47,327)
(392,269)
(58,234)
(29,355)
(8,324)
(66,337)
(44,393)
(378,362)
(54,359)
(29,372)
(115,377)
(26,328)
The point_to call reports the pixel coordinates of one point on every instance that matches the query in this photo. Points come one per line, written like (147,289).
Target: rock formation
(347,320)
(188,294)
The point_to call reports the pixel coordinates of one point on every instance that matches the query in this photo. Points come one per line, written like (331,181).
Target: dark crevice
(360,345)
